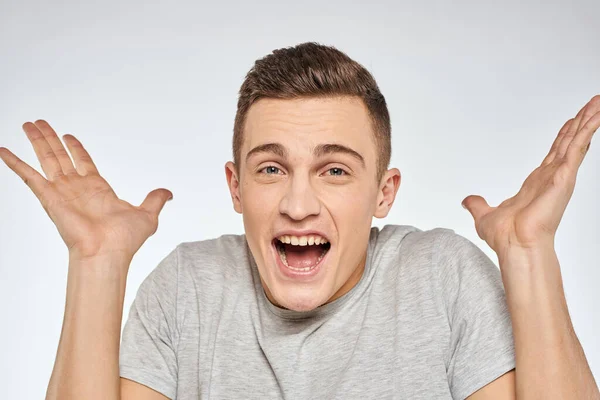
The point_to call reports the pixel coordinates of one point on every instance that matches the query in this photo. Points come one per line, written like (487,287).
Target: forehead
(309,121)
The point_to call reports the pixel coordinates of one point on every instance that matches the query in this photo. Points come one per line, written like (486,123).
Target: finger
(476,205)
(591,108)
(57,146)
(43,151)
(36,182)
(581,143)
(83,161)
(552,153)
(572,129)
(155,200)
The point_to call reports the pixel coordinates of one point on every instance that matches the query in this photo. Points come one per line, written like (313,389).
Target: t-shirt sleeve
(148,344)
(481,340)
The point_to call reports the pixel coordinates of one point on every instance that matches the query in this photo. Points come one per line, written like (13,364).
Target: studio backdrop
(477,91)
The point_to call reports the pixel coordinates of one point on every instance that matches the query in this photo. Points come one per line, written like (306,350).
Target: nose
(299,200)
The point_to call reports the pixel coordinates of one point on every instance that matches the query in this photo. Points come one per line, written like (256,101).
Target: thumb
(477,206)
(155,200)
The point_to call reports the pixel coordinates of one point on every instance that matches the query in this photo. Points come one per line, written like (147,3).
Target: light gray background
(477,92)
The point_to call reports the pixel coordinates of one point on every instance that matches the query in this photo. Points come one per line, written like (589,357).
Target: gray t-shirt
(427,320)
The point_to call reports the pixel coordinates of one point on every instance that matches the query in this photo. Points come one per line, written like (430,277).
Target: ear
(234,186)
(390,183)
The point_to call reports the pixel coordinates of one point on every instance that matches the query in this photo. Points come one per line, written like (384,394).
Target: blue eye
(270,170)
(336,171)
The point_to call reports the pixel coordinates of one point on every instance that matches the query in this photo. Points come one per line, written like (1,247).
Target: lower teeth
(306,269)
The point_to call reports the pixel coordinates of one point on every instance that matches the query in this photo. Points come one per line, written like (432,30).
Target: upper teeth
(302,240)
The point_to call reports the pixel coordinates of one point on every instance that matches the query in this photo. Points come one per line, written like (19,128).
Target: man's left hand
(529,219)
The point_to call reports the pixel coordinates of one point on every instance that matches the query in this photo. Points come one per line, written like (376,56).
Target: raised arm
(102,233)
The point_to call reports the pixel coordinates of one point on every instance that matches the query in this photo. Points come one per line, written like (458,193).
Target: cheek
(349,203)
(257,206)
(352,213)
(259,201)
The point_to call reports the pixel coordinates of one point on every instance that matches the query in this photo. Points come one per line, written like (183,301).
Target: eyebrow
(319,151)
(324,149)
(274,148)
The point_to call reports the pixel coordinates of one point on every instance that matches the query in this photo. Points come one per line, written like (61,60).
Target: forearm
(87,360)
(550,362)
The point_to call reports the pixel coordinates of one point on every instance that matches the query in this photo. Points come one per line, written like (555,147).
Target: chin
(300,303)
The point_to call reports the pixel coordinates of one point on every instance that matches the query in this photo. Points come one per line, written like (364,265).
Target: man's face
(307,191)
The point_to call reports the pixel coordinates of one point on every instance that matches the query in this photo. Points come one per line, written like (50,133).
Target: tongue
(302,256)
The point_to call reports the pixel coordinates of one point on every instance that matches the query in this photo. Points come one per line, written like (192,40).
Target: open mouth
(303,253)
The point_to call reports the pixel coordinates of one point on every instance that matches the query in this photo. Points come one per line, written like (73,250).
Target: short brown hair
(313,70)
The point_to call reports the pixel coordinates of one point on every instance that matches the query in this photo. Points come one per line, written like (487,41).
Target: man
(312,302)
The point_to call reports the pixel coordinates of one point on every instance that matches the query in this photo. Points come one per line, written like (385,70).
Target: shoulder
(211,258)
(408,240)
(199,271)
(442,244)
(223,249)
(210,261)
(439,253)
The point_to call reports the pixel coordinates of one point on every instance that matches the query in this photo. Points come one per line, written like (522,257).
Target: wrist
(525,271)
(109,265)
(100,256)
(527,256)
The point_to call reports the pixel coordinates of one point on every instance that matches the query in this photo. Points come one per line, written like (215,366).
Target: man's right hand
(103,233)
(89,216)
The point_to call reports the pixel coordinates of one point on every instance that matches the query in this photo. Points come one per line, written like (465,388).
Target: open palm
(530,218)
(89,216)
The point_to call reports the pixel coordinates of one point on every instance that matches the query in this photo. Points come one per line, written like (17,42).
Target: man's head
(311,149)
